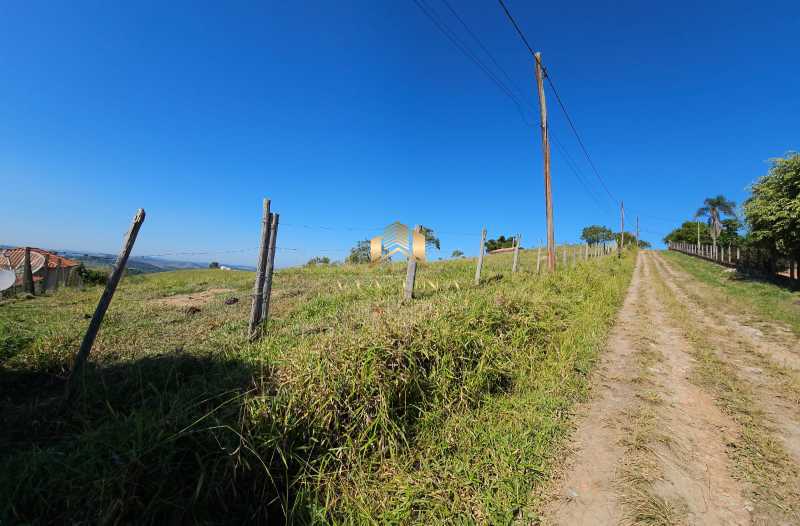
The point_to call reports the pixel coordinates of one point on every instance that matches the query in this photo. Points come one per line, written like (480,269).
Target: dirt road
(694,417)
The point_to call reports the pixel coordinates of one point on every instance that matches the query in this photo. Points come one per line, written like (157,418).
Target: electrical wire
(558,99)
(506,90)
(450,34)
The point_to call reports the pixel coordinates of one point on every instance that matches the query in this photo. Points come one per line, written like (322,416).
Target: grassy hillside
(353,408)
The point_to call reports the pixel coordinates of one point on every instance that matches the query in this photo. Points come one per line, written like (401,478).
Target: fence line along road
(747,260)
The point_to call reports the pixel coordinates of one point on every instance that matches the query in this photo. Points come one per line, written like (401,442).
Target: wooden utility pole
(27,273)
(411,271)
(261,269)
(637,231)
(516,254)
(621,245)
(480,257)
(548,194)
(105,300)
(273,237)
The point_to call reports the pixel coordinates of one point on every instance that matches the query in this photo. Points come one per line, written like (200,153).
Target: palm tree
(714,208)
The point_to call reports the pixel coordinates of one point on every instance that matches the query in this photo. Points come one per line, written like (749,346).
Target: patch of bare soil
(195,299)
(650,445)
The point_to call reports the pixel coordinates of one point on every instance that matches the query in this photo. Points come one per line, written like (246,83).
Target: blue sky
(350,115)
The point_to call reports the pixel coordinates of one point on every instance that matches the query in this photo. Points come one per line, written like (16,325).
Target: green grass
(768,300)
(352,409)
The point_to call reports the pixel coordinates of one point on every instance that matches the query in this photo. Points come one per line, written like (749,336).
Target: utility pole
(637,231)
(621,246)
(548,194)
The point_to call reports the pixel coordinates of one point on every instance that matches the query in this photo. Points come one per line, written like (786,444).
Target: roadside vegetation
(352,409)
(767,299)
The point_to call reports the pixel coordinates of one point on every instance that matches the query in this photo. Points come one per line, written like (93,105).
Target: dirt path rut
(656,446)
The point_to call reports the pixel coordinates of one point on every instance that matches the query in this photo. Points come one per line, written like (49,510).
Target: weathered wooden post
(27,274)
(564,255)
(45,273)
(273,237)
(261,269)
(105,300)
(480,257)
(516,254)
(539,257)
(411,271)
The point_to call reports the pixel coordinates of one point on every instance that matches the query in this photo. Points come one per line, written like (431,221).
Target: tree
(213,264)
(91,276)
(457,254)
(687,233)
(318,260)
(596,234)
(359,253)
(772,211)
(730,233)
(500,242)
(714,208)
(430,238)
(630,239)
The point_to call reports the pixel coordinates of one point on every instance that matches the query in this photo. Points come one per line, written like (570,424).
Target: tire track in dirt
(588,495)
(650,447)
(757,453)
(772,388)
(777,342)
(696,469)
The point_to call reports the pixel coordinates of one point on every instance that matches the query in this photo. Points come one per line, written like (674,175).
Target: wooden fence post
(261,269)
(539,257)
(27,274)
(273,237)
(564,255)
(45,273)
(411,271)
(480,257)
(516,254)
(105,300)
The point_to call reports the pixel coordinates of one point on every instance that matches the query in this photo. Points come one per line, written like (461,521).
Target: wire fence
(751,261)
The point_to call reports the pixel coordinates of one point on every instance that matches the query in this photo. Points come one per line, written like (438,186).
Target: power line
(573,167)
(578,136)
(450,34)
(506,90)
(519,31)
(558,99)
(488,53)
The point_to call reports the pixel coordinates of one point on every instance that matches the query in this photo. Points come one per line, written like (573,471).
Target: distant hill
(136,264)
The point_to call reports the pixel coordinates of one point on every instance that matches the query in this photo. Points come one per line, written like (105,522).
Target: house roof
(15,257)
(503,250)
